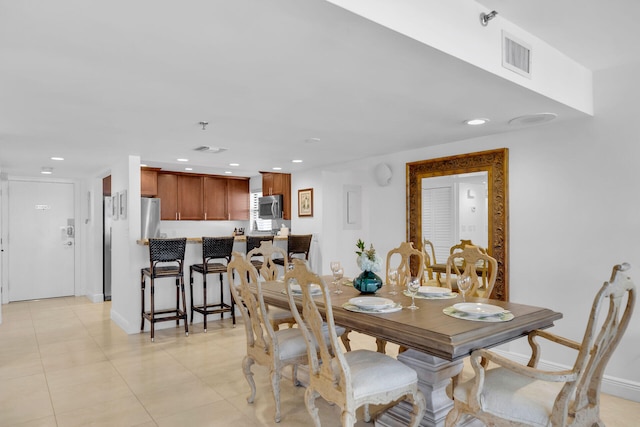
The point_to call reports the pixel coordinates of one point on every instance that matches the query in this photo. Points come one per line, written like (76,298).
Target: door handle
(69,243)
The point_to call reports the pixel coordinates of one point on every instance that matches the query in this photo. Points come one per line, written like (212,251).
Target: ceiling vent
(516,55)
(208,149)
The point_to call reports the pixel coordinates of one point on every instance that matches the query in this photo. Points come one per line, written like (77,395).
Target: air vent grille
(516,55)
(208,149)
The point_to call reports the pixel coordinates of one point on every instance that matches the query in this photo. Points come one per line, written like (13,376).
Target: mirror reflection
(455,207)
(461,197)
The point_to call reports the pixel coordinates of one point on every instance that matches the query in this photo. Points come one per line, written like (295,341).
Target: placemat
(502,317)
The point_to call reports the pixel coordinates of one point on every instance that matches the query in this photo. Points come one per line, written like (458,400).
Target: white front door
(41,240)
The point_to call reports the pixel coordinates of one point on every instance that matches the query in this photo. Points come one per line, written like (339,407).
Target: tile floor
(64,363)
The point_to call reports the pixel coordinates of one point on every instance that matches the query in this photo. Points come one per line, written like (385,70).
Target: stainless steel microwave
(270,207)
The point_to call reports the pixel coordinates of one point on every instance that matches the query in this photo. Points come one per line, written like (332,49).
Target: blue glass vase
(368,282)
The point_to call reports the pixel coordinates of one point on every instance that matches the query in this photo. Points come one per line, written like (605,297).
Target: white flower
(367,264)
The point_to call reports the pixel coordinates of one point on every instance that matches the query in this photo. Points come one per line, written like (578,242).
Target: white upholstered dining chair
(516,395)
(271,348)
(352,379)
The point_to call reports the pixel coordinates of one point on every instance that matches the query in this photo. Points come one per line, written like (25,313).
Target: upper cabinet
(278,183)
(148,182)
(202,197)
(181,196)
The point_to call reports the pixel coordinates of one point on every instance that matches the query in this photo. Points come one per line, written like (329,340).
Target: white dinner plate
(478,309)
(433,290)
(315,289)
(372,303)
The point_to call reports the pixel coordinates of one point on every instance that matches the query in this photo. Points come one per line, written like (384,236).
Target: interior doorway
(41,238)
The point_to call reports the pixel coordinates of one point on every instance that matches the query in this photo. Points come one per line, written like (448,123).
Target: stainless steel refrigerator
(150,218)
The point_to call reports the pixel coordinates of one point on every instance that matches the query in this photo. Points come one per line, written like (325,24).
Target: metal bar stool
(166,261)
(216,254)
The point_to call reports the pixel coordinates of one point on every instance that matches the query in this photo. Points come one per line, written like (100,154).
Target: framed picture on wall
(305,202)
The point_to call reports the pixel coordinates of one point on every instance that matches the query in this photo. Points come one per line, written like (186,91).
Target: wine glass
(413,285)
(336,270)
(393,281)
(464,283)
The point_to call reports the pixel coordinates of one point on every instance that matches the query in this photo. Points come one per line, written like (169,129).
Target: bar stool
(166,261)
(297,244)
(213,248)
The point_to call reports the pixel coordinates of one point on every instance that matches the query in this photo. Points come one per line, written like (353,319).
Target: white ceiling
(95,81)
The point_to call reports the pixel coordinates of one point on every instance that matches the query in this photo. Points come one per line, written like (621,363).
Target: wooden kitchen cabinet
(215,198)
(181,196)
(226,198)
(238,199)
(148,182)
(278,183)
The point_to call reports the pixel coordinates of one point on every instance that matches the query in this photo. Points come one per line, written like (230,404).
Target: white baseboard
(95,298)
(614,386)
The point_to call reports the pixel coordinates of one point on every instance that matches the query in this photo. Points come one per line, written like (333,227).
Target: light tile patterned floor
(64,363)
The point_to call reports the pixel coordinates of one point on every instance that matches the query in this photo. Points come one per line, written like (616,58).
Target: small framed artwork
(305,202)
(123,204)
(114,207)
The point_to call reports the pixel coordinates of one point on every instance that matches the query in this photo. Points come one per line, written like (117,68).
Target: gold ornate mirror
(495,164)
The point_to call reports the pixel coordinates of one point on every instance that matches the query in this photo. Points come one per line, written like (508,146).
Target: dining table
(436,342)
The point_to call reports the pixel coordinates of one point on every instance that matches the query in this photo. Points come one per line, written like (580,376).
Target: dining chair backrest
(408,260)
(269,269)
(349,380)
(468,262)
(513,394)
(429,254)
(311,322)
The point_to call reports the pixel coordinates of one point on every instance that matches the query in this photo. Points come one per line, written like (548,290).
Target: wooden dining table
(437,343)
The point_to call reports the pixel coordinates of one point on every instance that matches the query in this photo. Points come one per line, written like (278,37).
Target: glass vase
(367,282)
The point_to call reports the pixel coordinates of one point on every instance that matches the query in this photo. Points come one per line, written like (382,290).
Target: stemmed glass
(338,272)
(413,285)
(393,281)
(464,283)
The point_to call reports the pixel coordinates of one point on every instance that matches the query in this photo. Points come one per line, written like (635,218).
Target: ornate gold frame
(496,164)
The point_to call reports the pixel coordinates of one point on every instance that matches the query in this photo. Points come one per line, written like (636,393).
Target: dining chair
(166,260)
(269,271)
(400,258)
(254,242)
(274,349)
(517,395)
(352,379)
(216,254)
(468,262)
(429,259)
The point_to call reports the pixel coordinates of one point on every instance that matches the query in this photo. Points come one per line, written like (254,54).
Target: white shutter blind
(438,219)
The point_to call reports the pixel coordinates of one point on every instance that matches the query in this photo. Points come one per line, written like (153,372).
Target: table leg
(434,375)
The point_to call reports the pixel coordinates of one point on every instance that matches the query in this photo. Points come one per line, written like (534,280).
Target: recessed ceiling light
(234,164)
(228,172)
(476,122)
(46,171)
(57,158)
(533,119)
(312,140)
(188,169)
(296,161)
(277,168)
(182,160)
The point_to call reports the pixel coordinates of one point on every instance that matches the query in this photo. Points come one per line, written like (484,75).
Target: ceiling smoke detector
(208,149)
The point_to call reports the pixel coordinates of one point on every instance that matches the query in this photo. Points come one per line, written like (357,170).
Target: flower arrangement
(368,259)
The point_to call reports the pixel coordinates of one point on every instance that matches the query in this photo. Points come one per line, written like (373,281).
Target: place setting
(366,304)
(476,311)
